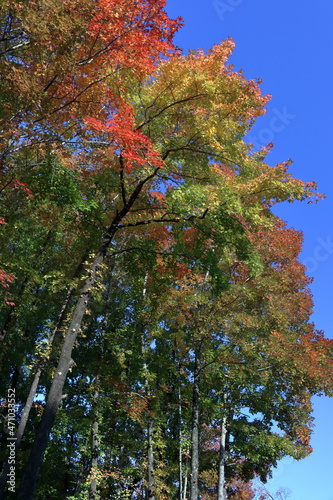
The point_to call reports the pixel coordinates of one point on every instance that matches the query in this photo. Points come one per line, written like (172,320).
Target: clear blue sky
(289,45)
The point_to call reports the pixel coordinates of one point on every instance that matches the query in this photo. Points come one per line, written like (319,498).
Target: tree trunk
(150,420)
(95,437)
(187,468)
(195,428)
(95,444)
(222,493)
(81,473)
(180,444)
(151,479)
(67,475)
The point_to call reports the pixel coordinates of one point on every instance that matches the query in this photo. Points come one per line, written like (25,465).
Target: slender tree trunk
(150,421)
(66,482)
(222,493)
(94,436)
(187,467)
(80,477)
(180,443)
(195,428)
(95,444)
(151,478)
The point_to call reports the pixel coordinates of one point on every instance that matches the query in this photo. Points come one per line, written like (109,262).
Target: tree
(125,170)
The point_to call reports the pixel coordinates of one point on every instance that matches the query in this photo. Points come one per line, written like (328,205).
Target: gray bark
(151,479)
(222,492)
(187,469)
(180,444)
(150,422)
(195,428)
(95,444)
(95,426)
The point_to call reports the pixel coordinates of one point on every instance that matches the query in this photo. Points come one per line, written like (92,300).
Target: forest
(155,320)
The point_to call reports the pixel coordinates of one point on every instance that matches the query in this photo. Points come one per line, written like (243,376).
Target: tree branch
(152,221)
(121,175)
(186,99)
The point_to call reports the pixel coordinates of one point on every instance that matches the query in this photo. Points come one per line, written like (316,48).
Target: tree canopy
(156,322)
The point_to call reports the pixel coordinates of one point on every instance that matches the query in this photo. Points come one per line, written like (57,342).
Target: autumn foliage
(156,322)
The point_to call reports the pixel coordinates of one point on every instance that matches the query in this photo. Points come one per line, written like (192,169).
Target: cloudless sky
(289,45)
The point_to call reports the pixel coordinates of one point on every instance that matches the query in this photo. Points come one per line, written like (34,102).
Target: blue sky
(289,45)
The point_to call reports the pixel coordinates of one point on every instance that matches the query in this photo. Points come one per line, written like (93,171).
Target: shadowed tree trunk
(151,478)
(222,493)
(95,444)
(150,420)
(187,470)
(95,426)
(195,427)
(180,443)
